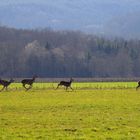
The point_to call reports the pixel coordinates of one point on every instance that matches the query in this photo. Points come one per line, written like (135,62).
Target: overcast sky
(100,16)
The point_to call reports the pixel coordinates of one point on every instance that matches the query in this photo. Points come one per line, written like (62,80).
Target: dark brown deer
(65,84)
(138,85)
(28,82)
(5,83)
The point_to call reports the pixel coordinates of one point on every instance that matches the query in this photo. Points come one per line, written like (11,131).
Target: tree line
(49,53)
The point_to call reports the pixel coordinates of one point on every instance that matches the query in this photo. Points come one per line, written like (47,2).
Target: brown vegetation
(49,53)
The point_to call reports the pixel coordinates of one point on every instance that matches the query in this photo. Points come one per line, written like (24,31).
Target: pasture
(93,111)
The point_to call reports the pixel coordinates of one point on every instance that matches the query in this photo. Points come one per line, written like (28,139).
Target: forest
(49,53)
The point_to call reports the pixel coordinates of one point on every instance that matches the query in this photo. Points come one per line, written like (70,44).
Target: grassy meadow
(93,111)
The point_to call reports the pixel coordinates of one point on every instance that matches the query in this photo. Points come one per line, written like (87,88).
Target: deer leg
(6,88)
(66,88)
(137,87)
(25,87)
(58,86)
(2,88)
(71,87)
(29,88)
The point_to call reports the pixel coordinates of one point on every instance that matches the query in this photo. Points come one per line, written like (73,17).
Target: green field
(82,85)
(93,111)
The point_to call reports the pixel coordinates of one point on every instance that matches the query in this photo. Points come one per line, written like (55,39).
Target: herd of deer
(30,82)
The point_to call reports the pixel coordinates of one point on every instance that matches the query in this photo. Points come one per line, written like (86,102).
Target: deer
(5,83)
(28,82)
(65,84)
(138,85)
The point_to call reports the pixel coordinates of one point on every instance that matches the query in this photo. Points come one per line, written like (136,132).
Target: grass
(110,113)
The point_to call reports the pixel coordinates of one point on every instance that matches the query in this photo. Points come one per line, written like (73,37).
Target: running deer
(65,84)
(5,83)
(138,85)
(28,82)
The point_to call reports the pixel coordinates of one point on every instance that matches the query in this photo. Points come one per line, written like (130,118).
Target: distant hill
(95,16)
